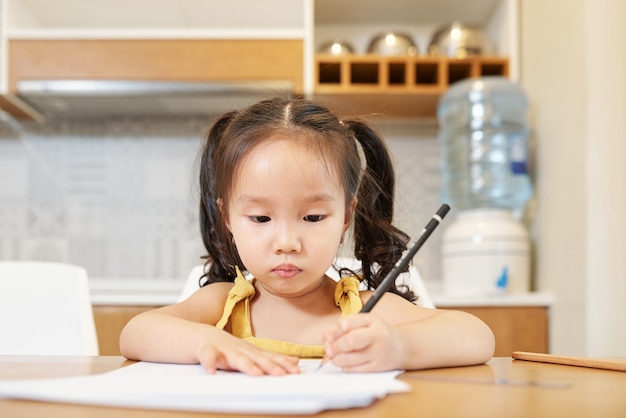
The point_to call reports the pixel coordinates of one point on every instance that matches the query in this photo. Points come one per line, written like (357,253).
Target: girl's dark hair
(377,243)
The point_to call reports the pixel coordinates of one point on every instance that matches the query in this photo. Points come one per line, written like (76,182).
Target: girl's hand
(364,343)
(232,353)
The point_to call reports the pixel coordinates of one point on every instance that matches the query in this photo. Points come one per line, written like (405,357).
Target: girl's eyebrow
(249,198)
(319,197)
(311,198)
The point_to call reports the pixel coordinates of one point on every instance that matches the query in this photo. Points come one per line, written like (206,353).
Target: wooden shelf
(394,86)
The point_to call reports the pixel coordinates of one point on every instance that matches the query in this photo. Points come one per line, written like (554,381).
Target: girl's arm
(186,333)
(400,335)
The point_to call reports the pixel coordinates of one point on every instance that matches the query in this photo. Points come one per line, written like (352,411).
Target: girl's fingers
(242,362)
(352,340)
(368,360)
(349,358)
(254,362)
(351,323)
(208,359)
(356,321)
(277,364)
(364,343)
(290,364)
(351,334)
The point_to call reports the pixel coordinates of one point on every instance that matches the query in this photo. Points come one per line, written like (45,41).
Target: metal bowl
(336,48)
(459,40)
(392,43)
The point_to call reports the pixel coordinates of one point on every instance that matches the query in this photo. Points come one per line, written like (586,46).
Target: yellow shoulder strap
(242,290)
(347,295)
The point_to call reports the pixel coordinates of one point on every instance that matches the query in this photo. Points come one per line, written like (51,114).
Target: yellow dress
(237,309)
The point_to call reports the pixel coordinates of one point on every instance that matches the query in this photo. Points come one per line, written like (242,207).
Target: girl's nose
(287,240)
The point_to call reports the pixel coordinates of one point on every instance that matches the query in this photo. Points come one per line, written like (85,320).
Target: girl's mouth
(286,271)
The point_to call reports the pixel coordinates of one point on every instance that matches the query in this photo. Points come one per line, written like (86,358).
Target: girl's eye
(260,219)
(314,218)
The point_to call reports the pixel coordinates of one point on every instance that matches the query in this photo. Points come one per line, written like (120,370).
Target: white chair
(192,283)
(45,309)
(412,279)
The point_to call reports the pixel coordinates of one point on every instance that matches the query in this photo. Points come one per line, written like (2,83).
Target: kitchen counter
(135,292)
(138,292)
(530,299)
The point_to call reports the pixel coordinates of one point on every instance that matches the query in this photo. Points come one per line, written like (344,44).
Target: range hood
(84,99)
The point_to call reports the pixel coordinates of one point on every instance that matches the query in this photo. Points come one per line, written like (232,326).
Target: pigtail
(222,255)
(377,243)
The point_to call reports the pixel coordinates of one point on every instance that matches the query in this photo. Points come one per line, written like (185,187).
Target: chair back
(45,309)
(192,283)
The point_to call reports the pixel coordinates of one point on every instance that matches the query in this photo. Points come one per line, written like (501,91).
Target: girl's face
(287,213)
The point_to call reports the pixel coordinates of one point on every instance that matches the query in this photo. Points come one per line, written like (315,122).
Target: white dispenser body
(485,252)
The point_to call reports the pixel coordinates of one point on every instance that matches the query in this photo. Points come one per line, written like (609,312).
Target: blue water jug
(483,135)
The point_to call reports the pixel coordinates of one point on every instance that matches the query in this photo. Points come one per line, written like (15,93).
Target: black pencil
(402,264)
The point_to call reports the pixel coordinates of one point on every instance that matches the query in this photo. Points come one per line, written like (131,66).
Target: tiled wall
(119,197)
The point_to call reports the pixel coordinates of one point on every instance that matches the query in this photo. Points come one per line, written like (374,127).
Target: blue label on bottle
(518,155)
(518,167)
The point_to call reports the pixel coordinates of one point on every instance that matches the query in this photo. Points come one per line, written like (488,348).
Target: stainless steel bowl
(459,40)
(336,48)
(392,43)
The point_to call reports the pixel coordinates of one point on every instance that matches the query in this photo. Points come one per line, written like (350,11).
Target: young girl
(281,183)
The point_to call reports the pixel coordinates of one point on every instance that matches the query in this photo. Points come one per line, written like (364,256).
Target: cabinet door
(515,328)
(110,320)
(163,60)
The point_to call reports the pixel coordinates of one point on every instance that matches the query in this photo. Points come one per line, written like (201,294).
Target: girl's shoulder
(215,290)
(207,303)
(213,293)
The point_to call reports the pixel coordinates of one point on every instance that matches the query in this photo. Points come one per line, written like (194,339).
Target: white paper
(188,387)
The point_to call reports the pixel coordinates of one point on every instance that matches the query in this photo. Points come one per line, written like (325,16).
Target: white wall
(3,46)
(606,177)
(574,71)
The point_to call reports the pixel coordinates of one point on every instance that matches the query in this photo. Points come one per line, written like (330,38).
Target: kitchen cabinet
(110,320)
(244,39)
(516,328)
(150,59)
(519,321)
(182,40)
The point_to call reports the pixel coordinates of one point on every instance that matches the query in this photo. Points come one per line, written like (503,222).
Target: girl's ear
(220,205)
(349,213)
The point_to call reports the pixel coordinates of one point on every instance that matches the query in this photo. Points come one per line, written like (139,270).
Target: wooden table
(501,388)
